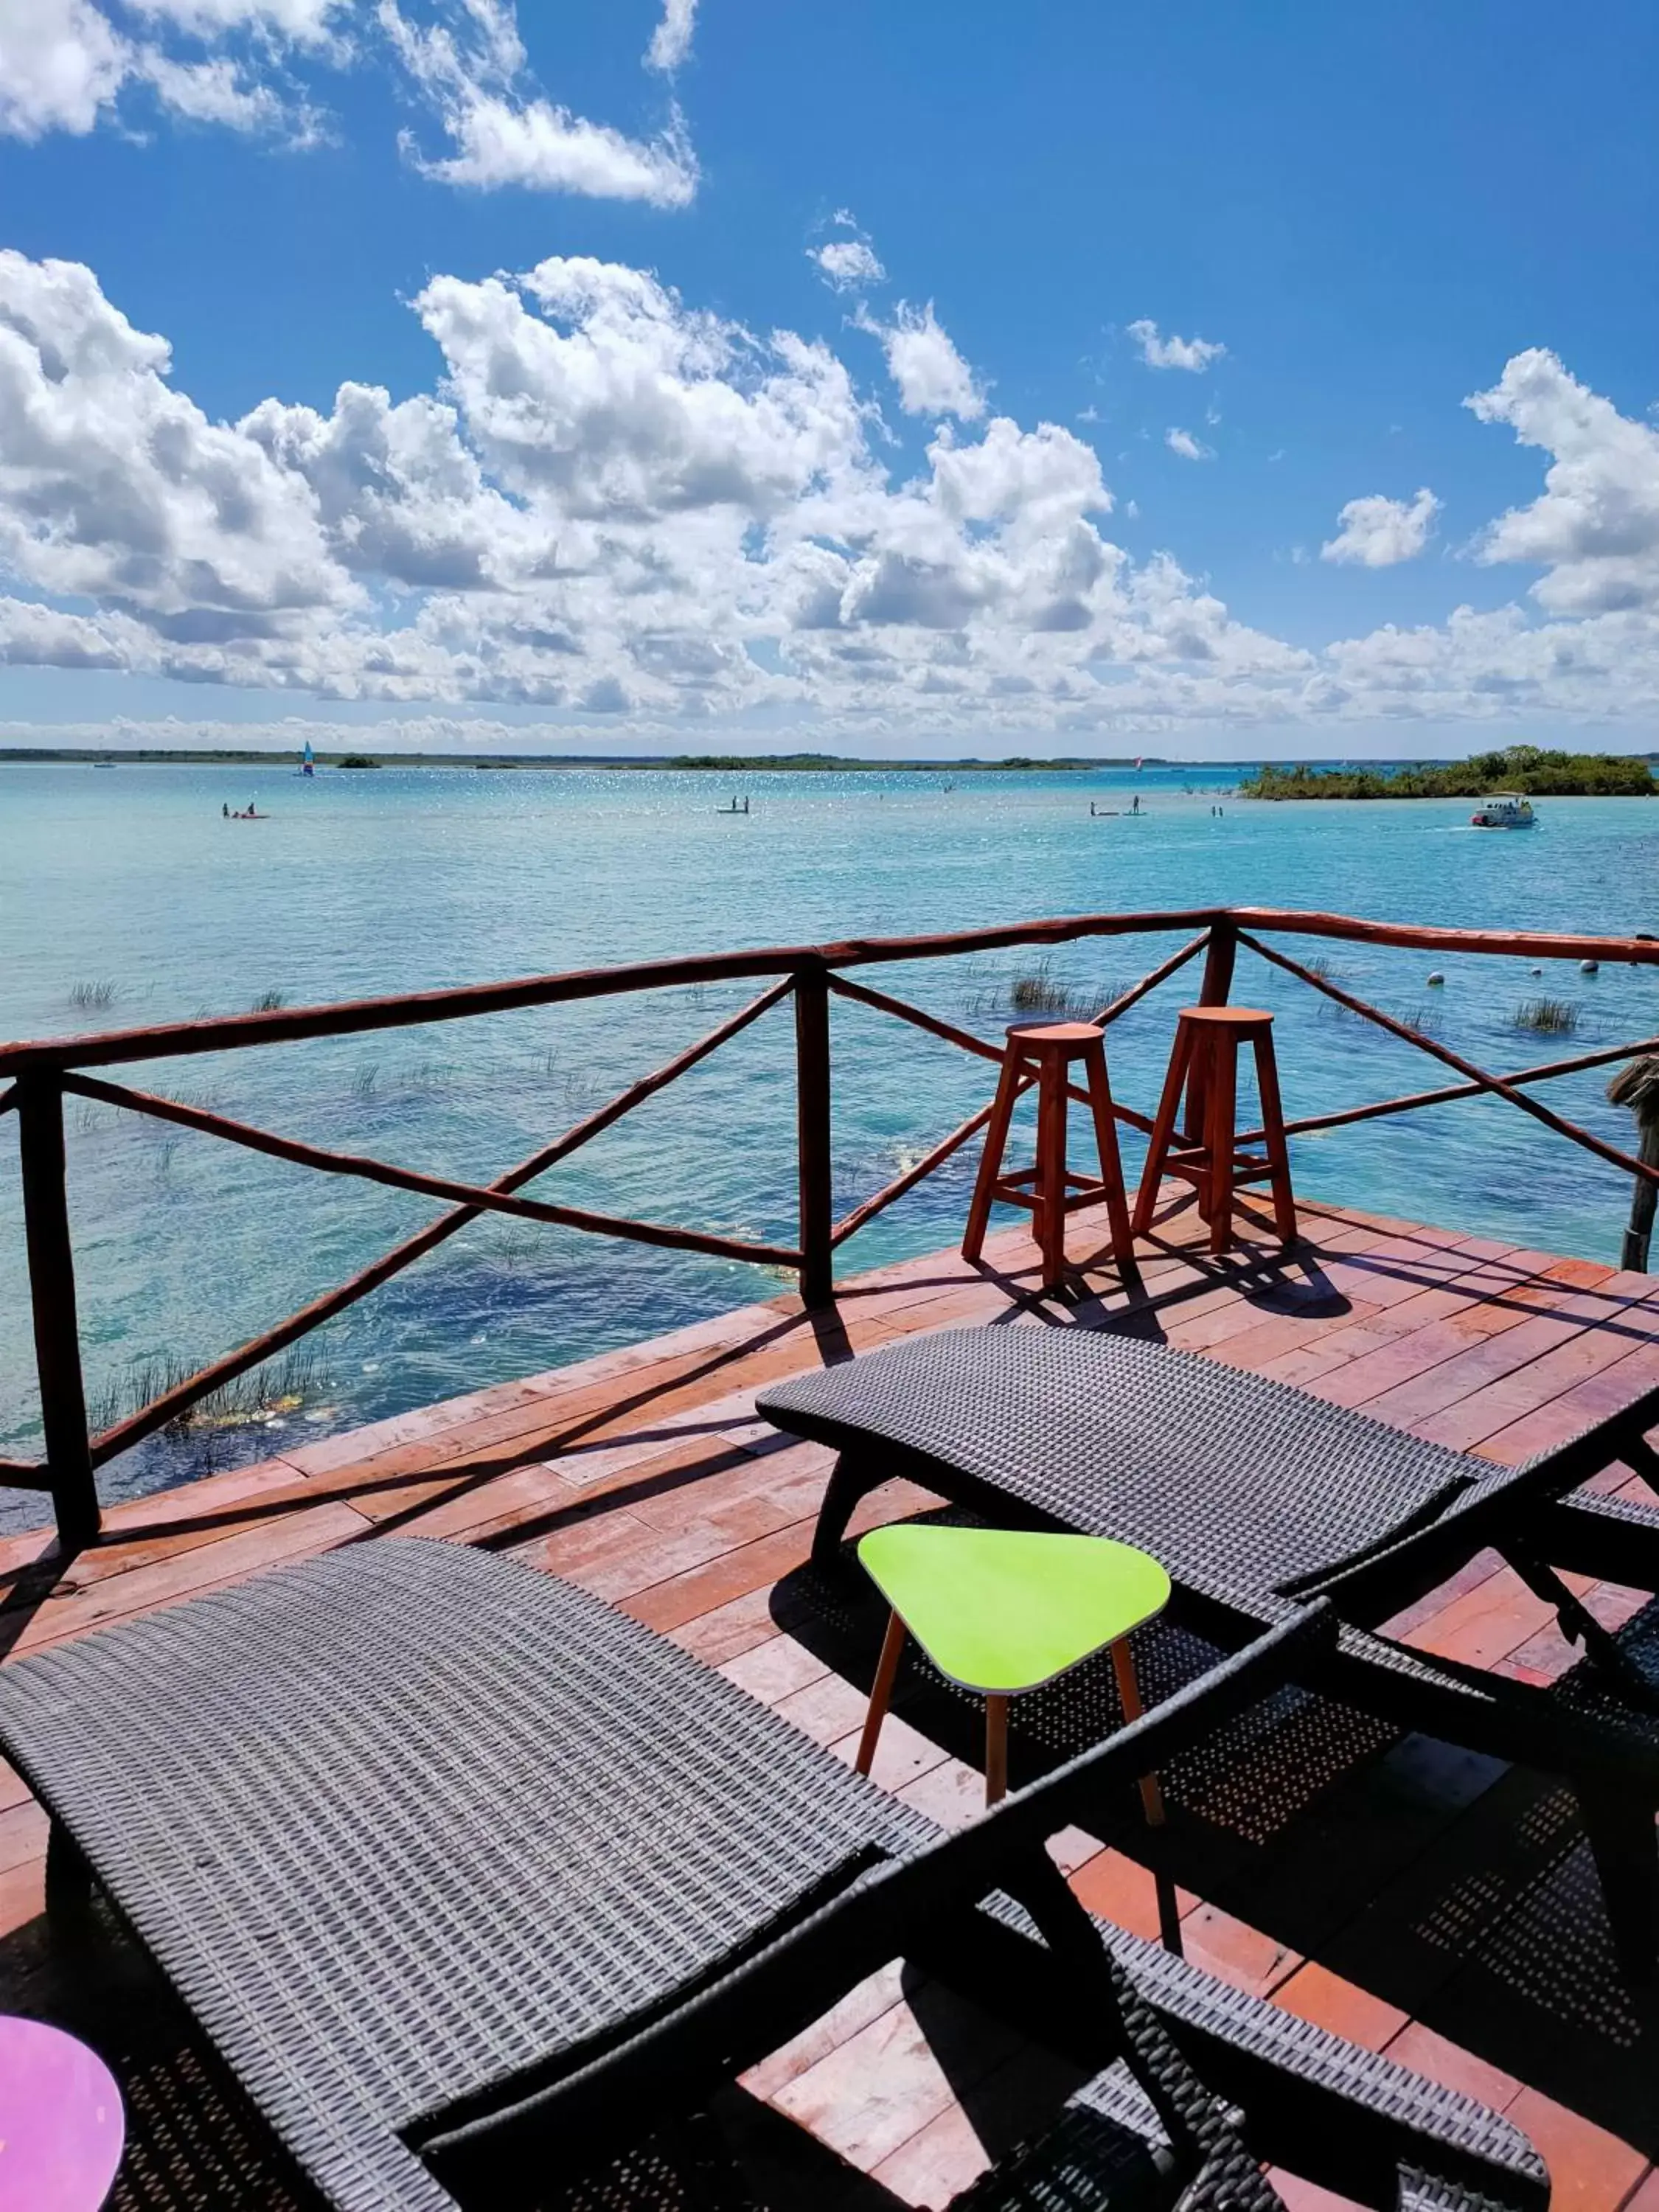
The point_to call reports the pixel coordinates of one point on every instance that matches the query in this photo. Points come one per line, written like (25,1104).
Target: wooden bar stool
(1205,1060)
(1042,1052)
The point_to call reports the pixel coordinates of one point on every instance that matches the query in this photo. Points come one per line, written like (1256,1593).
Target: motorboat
(1504,810)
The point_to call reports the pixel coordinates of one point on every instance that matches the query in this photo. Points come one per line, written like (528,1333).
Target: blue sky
(1126,411)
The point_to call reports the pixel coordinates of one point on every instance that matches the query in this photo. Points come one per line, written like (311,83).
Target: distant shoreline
(356,763)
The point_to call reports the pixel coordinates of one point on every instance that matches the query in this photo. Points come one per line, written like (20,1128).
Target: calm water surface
(126,898)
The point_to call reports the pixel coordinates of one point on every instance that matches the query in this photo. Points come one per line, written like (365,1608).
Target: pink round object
(61,2122)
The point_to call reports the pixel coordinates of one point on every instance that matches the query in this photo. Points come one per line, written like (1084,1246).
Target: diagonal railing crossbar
(172,1403)
(902,1010)
(1478,1078)
(479,1196)
(36,1076)
(1543,1072)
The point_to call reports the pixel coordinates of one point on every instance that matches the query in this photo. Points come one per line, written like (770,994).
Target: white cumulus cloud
(1596,528)
(931,376)
(251,66)
(670,42)
(847,264)
(1193,353)
(66,64)
(1190,447)
(61,64)
(613,503)
(473,73)
(115,488)
(1376,532)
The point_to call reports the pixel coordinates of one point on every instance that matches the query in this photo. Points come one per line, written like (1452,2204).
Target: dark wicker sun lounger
(470,1882)
(1256,1496)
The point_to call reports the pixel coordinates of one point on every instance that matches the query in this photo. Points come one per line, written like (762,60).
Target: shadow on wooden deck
(1413,1897)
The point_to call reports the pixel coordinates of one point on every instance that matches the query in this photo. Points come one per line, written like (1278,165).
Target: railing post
(1213,992)
(1636,1086)
(52,1291)
(812,1135)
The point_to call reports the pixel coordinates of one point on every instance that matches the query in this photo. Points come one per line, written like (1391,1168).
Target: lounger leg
(68,1877)
(881,1693)
(71,1888)
(996,1749)
(1619,1822)
(1128,1696)
(851,1480)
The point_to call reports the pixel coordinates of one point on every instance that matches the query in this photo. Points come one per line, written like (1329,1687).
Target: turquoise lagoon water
(128,880)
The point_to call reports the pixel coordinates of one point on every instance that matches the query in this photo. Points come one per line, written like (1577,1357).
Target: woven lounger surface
(1165,1450)
(400,1820)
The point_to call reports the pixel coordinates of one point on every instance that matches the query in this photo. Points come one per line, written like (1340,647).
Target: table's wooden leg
(1128,1691)
(881,1693)
(996,1749)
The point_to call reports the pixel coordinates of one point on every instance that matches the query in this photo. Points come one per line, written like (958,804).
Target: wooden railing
(38,1075)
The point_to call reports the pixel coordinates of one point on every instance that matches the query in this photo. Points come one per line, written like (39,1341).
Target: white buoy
(1436,979)
(1589,967)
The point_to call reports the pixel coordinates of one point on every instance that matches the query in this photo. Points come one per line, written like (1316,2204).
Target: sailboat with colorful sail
(307,760)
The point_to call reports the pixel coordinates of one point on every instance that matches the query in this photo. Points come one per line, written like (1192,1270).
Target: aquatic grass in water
(1547,1017)
(1040,991)
(1038,994)
(281,1386)
(268,1002)
(91,997)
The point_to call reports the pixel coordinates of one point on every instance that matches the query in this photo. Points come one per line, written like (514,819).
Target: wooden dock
(1413,1897)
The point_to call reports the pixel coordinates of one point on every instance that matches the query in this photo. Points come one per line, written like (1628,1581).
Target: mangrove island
(1518,768)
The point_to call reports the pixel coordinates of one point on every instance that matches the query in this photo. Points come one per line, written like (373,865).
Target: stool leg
(1128,1696)
(1050,1224)
(1111,1161)
(996,1749)
(881,1693)
(990,1165)
(1220,1113)
(1272,1123)
(1163,1129)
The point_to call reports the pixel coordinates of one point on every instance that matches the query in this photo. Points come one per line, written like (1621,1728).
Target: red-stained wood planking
(646,1474)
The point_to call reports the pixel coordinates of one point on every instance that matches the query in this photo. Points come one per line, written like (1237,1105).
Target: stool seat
(1247,1020)
(1072,1038)
(1204,1060)
(1042,1053)
(1002,1611)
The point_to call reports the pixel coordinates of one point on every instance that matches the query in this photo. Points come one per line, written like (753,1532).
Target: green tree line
(1518,768)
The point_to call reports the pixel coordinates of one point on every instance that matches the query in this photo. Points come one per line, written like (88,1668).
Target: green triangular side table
(1005,1610)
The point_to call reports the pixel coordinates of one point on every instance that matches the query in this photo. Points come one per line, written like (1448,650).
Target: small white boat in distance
(1504,810)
